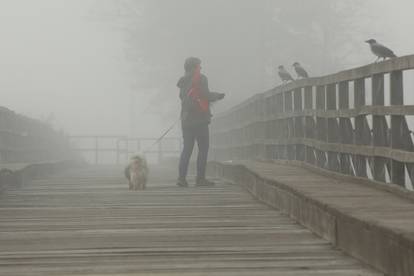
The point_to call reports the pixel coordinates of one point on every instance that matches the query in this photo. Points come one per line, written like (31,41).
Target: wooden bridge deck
(86,222)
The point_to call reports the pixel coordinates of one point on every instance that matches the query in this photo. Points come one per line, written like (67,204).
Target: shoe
(182,182)
(202,182)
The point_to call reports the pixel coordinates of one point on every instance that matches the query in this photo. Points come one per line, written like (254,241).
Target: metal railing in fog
(328,122)
(121,148)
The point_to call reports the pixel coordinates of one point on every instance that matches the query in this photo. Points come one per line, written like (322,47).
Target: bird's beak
(367,41)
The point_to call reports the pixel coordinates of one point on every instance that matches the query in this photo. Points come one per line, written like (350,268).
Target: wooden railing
(26,140)
(117,149)
(328,122)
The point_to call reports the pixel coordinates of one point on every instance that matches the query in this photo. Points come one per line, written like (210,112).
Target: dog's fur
(137,173)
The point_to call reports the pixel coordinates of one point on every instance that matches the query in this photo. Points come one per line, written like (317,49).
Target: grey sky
(55,61)
(60,63)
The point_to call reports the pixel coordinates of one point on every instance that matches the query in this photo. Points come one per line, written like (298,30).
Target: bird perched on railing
(380,50)
(300,71)
(284,75)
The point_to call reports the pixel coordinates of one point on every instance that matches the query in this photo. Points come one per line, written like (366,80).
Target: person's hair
(191,63)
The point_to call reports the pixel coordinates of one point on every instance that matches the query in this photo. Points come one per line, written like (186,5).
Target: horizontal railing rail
(94,147)
(353,122)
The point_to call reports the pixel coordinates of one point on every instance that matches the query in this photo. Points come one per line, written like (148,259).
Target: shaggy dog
(137,173)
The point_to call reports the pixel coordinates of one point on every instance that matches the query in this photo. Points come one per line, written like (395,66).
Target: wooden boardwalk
(86,222)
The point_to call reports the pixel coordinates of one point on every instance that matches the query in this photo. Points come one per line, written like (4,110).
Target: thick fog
(111,66)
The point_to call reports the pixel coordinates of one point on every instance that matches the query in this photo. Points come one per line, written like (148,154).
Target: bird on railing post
(380,50)
(284,75)
(300,71)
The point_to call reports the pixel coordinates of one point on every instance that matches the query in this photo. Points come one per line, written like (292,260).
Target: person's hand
(215,96)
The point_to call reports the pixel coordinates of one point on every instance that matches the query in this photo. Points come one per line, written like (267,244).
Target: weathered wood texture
(366,221)
(87,223)
(315,121)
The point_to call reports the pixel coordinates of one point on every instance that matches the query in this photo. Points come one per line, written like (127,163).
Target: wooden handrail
(26,140)
(312,120)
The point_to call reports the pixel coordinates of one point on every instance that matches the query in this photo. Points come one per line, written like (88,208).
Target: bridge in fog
(313,177)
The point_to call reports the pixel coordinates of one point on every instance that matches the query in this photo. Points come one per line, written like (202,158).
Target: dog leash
(163,135)
(166,132)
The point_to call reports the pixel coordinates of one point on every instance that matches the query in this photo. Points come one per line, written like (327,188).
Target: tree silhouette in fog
(240,42)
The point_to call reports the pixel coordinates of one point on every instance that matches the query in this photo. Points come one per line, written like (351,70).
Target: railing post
(261,122)
(274,126)
(309,125)
(247,149)
(345,128)
(321,125)
(379,127)
(362,132)
(280,127)
(290,148)
(333,161)
(400,134)
(269,126)
(298,125)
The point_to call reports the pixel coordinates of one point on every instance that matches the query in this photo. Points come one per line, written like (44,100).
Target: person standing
(195,119)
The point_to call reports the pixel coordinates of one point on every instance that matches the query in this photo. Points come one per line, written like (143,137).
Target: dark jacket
(191,116)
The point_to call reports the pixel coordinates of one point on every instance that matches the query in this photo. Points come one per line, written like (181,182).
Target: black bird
(380,50)
(300,71)
(284,75)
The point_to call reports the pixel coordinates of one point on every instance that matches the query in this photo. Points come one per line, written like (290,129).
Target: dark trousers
(199,133)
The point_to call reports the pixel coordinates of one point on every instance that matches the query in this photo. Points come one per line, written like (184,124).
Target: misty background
(111,66)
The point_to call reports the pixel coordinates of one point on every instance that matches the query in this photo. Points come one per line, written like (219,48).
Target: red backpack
(201,103)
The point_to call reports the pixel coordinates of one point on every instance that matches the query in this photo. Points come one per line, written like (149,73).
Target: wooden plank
(86,222)
(372,224)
